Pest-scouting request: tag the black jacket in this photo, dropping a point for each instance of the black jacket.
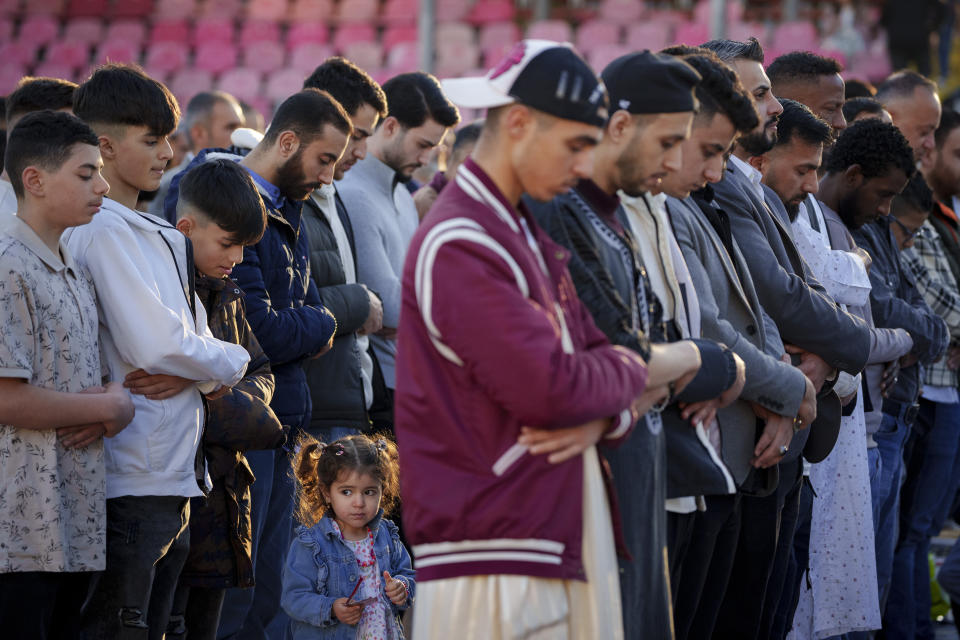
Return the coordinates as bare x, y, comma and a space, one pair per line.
335, 383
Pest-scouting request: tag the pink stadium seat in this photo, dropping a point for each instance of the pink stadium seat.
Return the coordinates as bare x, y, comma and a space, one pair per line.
9, 7
284, 84
308, 56
498, 35
399, 13
131, 8
6, 29
395, 35
10, 75
351, 33
649, 35
170, 31
302, 32
258, 31
622, 11
596, 32
454, 58
603, 55
38, 30
47, 7
86, 8
168, 57
403, 58
742, 31
215, 57
273, 10
366, 55
118, 51
68, 53
558, 30
208, 30
175, 9
189, 83
454, 32
54, 70
89, 30
130, 30
263, 57
487, 11
799, 35
241, 83
16, 54
452, 10
692, 33
311, 11
221, 9
356, 11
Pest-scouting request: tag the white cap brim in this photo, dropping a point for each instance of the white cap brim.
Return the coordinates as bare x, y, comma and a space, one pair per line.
475, 93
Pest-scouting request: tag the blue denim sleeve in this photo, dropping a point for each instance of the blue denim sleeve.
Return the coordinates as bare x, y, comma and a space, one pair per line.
305, 596
401, 567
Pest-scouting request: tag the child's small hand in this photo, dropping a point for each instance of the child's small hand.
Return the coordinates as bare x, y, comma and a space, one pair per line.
394, 589
347, 613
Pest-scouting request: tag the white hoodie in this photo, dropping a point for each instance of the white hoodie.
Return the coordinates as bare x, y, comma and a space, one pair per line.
139, 269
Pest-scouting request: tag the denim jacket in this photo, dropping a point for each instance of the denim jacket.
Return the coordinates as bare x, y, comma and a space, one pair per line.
321, 568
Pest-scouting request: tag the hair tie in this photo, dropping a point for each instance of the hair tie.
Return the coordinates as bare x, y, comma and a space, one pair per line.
381, 445
340, 450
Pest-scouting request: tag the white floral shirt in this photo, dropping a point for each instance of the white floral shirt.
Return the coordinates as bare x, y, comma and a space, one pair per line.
52, 499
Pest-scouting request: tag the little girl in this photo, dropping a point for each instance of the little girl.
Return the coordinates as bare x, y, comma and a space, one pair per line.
347, 575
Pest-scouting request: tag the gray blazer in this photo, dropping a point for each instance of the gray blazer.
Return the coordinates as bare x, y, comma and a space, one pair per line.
803, 312
730, 313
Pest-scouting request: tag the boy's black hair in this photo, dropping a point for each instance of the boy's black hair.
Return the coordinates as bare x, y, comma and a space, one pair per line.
43, 139
858, 89
223, 191
949, 120
122, 94
874, 145
349, 85
684, 50
917, 195
37, 94
414, 97
801, 65
730, 50
798, 121
467, 134
855, 106
720, 91
903, 84
306, 113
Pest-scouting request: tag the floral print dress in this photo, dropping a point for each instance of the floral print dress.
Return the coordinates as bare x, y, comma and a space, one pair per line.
373, 621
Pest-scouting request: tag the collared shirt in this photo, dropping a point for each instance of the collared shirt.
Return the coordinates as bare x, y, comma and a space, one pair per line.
52, 499
8, 199
754, 176
274, 198
927, 262
842, 273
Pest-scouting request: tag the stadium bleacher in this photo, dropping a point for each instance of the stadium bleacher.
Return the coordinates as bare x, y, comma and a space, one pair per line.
258, 48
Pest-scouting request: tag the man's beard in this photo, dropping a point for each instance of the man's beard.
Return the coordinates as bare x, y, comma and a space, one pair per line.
847, 211
793, 209
758, 143
291, 181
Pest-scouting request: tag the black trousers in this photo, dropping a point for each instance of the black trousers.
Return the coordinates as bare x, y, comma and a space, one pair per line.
42, 605
705, 568
679, 537
760, 565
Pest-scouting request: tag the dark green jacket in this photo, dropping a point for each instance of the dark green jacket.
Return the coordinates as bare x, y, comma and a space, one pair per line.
241, 420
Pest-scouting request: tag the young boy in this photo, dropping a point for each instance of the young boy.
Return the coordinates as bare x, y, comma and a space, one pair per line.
53, 414
150, 323
220, 532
